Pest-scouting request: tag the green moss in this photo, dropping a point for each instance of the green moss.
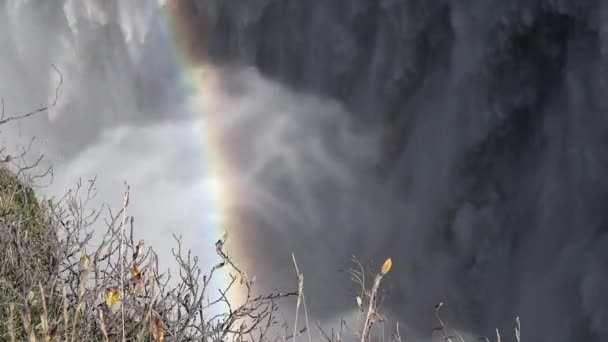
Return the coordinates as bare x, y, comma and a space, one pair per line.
21, 214
18, 200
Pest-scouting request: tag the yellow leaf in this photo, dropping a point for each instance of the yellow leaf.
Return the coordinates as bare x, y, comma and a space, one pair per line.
386, 266
359, 301
112, 297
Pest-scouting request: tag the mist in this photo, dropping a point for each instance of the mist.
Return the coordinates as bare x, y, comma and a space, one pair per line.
465, 143
299, 160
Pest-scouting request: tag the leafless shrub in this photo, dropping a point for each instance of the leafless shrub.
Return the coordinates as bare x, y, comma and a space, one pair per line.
67, 288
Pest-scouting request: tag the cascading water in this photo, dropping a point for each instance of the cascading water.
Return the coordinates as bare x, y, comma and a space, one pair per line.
467, 142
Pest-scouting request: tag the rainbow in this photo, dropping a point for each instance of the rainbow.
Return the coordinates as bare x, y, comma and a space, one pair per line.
204, 105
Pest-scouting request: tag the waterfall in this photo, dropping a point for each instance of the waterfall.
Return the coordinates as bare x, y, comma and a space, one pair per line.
464, 139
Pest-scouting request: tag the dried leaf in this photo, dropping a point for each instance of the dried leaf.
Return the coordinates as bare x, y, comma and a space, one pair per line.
112, 297
386, 267
139, 284
156, 327
100, 312
139, 287
139, 250
219, 245
135, 271
84, 260
359, 301
102, 324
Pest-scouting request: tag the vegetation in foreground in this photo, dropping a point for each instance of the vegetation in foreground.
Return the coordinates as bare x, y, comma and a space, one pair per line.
57, 284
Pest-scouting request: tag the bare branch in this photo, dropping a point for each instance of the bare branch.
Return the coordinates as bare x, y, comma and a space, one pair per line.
4, 120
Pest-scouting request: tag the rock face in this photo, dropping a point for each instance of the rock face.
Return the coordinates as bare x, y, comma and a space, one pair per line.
496, 136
